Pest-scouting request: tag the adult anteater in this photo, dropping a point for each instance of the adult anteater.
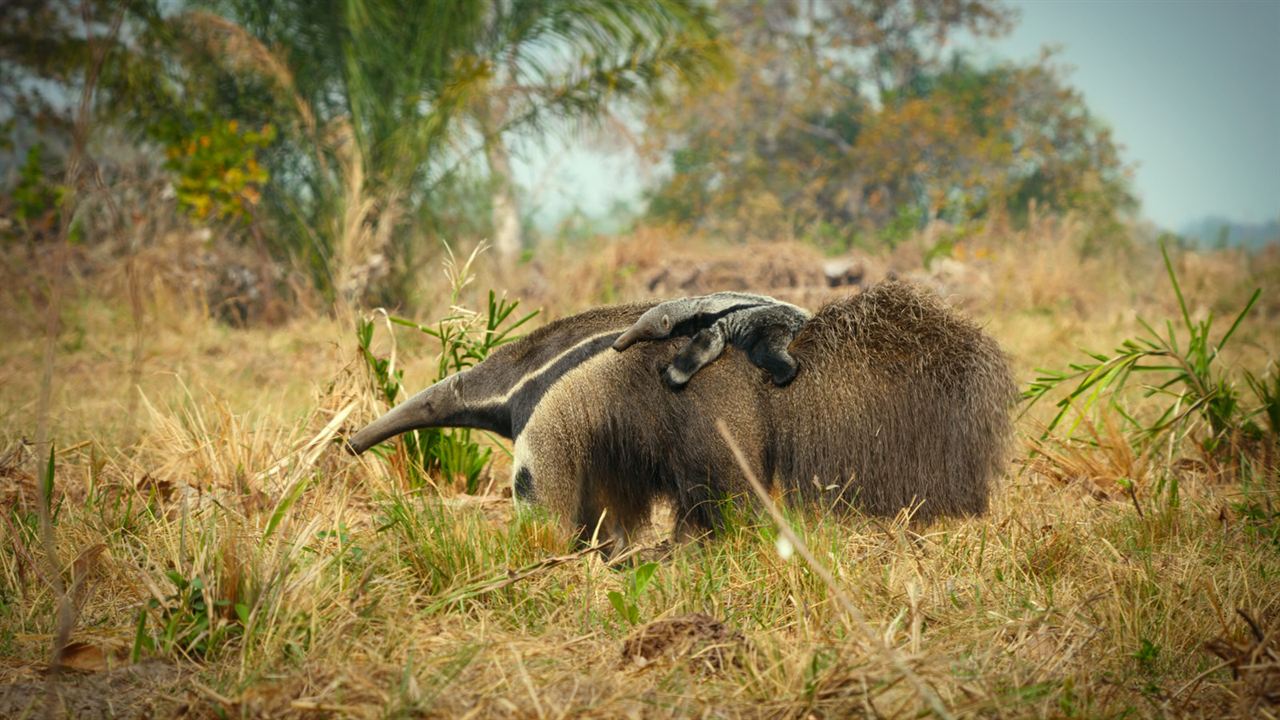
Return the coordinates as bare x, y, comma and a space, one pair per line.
902, 404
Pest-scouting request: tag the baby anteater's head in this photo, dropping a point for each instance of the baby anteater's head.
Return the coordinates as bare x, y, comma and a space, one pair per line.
655, 324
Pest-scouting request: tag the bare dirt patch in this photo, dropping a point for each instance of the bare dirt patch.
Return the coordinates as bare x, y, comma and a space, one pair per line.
145, 690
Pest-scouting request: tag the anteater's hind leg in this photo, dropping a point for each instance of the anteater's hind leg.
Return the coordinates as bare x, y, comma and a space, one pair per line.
702, 349
611, 520
770, 353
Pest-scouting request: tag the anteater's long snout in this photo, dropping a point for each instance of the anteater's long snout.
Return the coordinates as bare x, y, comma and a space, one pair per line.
627, 339
430, 408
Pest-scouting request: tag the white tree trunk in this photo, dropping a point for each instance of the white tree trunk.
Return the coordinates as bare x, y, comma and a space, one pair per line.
507, 240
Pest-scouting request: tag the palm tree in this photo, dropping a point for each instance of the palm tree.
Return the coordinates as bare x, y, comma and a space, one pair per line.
388, 98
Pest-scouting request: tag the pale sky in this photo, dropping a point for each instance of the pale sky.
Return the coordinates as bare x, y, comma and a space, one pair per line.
1191, 89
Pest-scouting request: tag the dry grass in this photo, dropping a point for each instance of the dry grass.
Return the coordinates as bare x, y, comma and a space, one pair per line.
326, 588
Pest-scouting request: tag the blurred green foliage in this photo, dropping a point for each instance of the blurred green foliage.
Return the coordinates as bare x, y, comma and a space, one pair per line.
36, 198
216, 170
348, 136
381, 110
852, 115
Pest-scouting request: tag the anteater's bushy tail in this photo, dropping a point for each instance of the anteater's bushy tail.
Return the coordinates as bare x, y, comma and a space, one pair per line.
900, 402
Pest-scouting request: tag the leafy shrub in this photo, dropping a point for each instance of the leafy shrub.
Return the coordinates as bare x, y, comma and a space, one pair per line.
218, 175
36, 199
1195, 397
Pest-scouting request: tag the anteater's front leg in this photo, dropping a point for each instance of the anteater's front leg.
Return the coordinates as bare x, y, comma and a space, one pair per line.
700, 350
770, 352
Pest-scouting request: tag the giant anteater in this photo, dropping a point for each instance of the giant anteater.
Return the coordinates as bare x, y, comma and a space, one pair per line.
903, 404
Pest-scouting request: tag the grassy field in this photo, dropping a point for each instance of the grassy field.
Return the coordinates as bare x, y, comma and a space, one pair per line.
220, 559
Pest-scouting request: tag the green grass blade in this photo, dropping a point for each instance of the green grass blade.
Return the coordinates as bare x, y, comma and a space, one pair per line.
1177, 289
1239, 318
282, 507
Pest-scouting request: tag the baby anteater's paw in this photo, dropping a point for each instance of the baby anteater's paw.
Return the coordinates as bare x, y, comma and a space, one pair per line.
784, 375
675, 379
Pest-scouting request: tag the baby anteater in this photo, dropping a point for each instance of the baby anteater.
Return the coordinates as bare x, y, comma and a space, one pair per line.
760, 326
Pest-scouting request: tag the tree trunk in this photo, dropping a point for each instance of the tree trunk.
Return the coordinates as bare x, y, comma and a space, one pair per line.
506, 209
507, 240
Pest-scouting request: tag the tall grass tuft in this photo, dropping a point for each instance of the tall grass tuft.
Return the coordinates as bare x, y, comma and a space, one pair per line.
1193, 396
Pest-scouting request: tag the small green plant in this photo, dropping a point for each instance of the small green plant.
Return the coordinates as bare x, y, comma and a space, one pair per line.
46, 485
626, 602
1266, 390
465, 338
24, 521
347, 550
1195, 397
1147, 655
191, 621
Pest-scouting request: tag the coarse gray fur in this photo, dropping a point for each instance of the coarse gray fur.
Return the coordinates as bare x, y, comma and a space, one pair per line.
684, 316
763, 332
902, 404
758, 325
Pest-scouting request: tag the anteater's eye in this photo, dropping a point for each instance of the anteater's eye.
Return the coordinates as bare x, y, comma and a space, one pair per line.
666, 322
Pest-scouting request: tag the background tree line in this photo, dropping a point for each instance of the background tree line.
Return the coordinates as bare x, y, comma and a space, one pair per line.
848, 120
346, 137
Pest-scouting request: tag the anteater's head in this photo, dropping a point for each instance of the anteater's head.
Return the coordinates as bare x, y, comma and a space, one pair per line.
656, 324
500, 392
